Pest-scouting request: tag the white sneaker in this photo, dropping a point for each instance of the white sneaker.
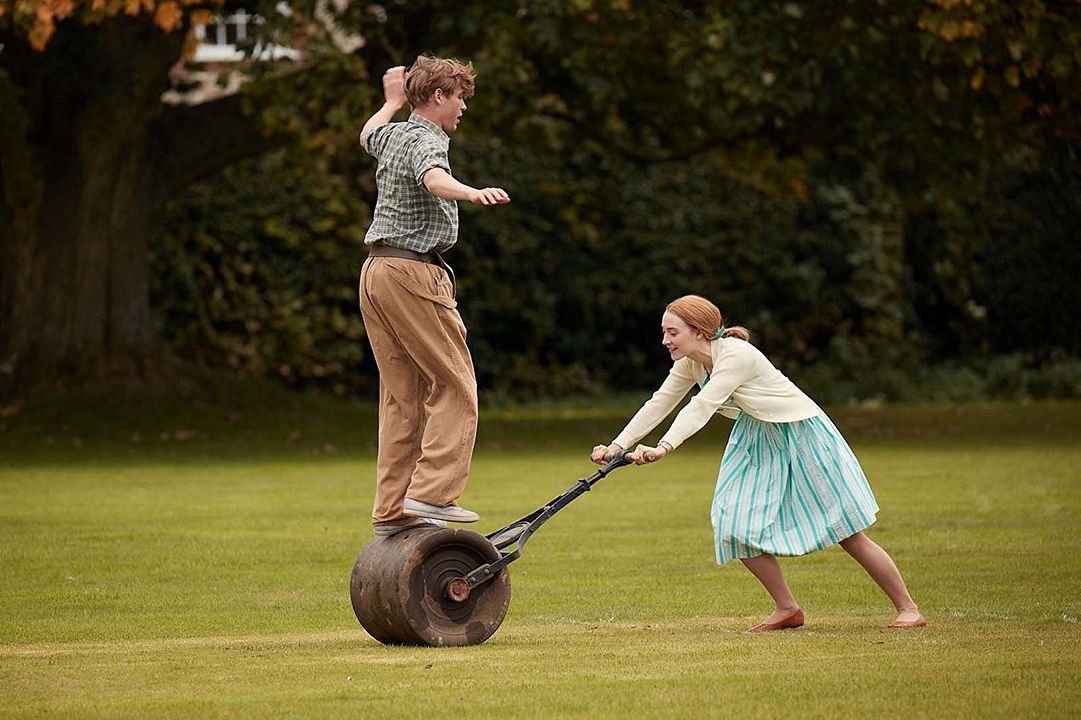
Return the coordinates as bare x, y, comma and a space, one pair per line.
450, 513
393, 528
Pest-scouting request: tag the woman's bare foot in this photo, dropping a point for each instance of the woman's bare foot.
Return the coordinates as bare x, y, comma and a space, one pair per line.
909, 619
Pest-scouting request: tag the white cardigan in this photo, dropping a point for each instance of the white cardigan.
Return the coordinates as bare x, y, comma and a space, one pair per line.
740, 372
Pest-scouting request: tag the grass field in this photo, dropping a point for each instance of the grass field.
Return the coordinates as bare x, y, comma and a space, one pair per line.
170, 558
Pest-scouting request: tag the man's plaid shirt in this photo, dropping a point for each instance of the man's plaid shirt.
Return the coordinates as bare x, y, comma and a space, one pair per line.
407, 215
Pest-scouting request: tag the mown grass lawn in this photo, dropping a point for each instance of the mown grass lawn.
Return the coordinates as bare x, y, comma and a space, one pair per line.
169, 558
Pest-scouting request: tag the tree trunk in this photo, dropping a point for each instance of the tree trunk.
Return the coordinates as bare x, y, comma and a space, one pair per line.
89, 154
79, 199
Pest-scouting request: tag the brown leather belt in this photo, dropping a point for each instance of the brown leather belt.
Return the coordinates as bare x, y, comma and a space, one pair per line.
379, 249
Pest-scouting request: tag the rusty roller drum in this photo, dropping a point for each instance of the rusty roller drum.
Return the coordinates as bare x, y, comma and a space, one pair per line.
403, 588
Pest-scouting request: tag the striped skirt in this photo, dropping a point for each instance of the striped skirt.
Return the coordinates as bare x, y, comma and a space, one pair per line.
787, 489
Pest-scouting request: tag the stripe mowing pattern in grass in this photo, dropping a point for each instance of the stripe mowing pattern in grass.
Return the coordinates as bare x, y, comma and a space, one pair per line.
192, 560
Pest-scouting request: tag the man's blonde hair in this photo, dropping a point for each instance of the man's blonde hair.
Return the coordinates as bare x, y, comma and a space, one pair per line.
430, 73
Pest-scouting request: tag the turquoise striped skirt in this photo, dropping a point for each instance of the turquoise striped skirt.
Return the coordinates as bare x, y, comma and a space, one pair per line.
787, 489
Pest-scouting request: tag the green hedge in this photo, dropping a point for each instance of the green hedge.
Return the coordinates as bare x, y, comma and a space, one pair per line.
257, 271
563, 289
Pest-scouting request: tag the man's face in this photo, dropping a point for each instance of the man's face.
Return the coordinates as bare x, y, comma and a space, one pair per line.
449, 109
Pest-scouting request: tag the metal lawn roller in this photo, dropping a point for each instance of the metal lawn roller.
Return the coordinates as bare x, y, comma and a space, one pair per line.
445, 586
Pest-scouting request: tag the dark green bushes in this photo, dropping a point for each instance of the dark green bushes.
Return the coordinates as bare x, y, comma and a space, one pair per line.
257, 270
562, 290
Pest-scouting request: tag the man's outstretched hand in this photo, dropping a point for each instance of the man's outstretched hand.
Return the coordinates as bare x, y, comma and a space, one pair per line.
490, 196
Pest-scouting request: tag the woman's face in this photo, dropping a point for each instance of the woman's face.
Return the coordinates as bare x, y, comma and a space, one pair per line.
678, 337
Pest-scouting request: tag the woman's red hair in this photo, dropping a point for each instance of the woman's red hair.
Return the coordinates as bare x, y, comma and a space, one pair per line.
704, 317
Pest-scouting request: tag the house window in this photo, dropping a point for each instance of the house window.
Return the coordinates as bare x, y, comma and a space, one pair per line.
219, 38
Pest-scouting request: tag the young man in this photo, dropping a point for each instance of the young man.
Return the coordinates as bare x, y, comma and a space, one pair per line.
427, 387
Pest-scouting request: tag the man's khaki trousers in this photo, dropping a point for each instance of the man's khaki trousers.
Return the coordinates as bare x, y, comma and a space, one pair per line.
427, 386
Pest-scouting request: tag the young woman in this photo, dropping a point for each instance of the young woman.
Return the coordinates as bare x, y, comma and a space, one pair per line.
788, 484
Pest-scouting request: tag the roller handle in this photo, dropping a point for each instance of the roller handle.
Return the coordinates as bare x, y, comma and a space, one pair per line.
618, 460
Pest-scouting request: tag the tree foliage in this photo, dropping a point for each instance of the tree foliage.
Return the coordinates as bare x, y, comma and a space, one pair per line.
261, 277
36, 20
870, 186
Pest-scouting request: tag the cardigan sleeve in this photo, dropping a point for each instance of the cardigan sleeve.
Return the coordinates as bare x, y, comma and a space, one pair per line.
675, 386
731, 371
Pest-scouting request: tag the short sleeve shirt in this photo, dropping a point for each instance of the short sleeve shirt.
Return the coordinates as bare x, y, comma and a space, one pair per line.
407, 215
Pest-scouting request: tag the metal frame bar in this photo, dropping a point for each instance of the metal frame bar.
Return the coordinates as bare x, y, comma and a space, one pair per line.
537, 518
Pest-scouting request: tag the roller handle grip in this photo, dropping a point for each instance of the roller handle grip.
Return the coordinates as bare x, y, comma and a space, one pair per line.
618, 460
